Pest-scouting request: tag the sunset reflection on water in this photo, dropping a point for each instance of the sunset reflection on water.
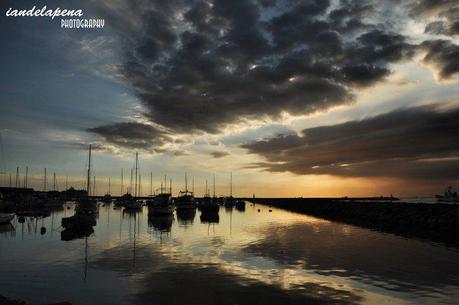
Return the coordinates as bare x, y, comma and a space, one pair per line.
239, 258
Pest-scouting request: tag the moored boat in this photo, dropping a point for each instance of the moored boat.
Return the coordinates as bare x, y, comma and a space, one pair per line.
209, 205
161, 204
185, 199
85, 212
449, 196
240, 205
131, 203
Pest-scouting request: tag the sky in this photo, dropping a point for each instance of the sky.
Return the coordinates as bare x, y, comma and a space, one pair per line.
294, 98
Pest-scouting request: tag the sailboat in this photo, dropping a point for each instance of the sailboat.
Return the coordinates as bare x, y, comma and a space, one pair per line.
230, 201
87, 205
84, 219
161, 204
185, 199
209, 205
107, 197
131, 203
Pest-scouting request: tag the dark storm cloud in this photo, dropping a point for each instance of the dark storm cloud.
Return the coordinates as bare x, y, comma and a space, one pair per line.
219, 154
432, 6
132, 135
198, 66
446, 10
444, 55
392, 145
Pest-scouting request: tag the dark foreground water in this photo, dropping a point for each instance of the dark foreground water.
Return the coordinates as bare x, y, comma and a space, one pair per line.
247, 257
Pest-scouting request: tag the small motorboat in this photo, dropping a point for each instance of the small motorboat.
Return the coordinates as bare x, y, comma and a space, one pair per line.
6, 218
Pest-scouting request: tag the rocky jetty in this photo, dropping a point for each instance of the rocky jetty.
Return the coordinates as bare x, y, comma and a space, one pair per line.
438, 222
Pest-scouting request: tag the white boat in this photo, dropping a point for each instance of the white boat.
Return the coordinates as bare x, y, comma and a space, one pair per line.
6, 218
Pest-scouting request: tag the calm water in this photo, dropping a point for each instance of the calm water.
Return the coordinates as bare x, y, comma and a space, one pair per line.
247, 257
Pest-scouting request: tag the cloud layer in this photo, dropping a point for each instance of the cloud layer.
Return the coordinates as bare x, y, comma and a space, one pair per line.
198, 66
420, 142
201, 66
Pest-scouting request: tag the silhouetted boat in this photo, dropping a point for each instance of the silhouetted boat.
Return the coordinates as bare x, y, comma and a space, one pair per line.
240, 205
449, 196
131, 203
209, 205
230, 201
108, 197
87, 205
161, 204
185, 199
85, 213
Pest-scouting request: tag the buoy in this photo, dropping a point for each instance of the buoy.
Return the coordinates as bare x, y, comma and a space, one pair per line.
43, 230
258, 210
270, 210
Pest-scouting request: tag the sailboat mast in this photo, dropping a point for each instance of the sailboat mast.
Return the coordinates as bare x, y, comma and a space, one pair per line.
17, 176
231, 184
170, 186
186, 183
136, 169
54, 181
130, 186
26, 182
88, 182
44, 183
140, 185
67, 182
151, 183
122, 178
